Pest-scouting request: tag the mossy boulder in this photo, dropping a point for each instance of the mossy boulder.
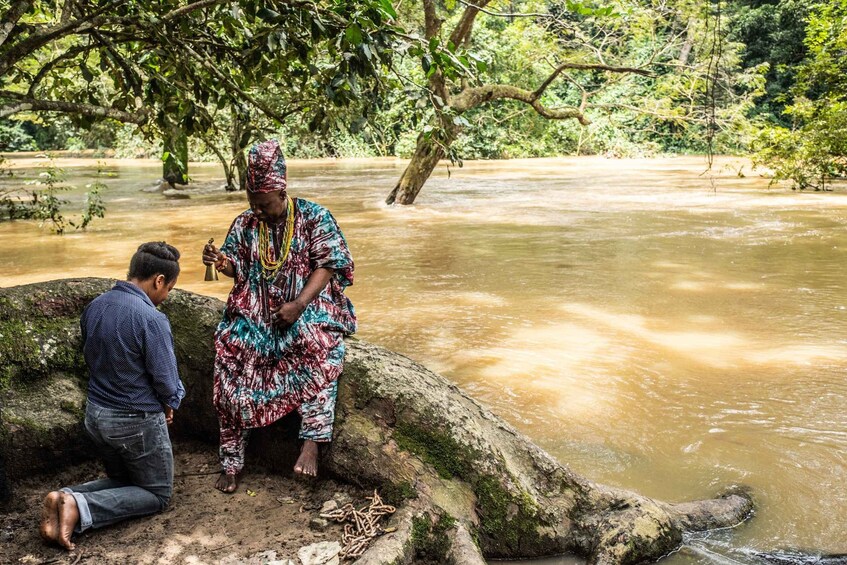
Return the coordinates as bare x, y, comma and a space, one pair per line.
466, 483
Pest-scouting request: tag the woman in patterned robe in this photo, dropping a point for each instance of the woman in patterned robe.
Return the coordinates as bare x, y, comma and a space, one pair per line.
280, 344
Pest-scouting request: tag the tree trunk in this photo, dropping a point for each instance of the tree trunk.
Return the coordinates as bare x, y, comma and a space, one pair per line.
175, 158
425, 159
467, 485
239, 139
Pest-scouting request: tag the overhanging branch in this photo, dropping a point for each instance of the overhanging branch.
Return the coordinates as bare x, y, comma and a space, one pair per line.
11, 17
586, 67
463, 29
477, 96
189, 8
50, 65
38, 40
25, 104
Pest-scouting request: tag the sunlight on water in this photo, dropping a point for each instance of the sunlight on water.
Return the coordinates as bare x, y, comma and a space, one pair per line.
643, 328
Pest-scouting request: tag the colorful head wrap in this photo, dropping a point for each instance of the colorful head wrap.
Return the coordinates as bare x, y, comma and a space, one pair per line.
266, 170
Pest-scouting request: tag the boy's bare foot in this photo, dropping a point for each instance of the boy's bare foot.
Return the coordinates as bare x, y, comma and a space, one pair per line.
50, 517
68, 518
227, 483
307, 463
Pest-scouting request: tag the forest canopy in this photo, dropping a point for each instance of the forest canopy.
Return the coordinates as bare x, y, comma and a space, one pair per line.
429, 79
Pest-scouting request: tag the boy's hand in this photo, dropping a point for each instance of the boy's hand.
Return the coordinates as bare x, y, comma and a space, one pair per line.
169, 415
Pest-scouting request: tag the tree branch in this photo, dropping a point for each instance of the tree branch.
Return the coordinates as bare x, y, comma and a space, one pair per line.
473, 97
38, 40
50, 65
463, 29
480, 7
11, 17
131, 75
586, 67
228, 84
25, 104
189, 8
432, 23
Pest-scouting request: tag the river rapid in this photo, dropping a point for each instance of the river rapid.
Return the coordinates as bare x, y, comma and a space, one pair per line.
653, 326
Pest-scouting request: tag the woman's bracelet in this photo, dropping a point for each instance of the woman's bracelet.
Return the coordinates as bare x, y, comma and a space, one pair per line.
221, 265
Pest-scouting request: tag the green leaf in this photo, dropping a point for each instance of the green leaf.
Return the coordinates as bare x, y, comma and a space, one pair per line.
268, 15
388, 8
461, 121
86, 73
353, 34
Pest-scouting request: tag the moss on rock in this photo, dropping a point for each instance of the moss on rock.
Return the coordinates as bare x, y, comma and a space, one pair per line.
437, 448
430, 539
510, 520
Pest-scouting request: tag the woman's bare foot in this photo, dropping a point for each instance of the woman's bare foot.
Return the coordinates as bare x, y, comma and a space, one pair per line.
50, 517
227, 483
68, 518
307, 463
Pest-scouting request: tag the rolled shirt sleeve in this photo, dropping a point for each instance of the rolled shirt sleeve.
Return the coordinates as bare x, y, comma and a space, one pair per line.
160, 361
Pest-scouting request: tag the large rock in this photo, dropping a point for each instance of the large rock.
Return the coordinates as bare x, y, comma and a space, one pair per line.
466, 483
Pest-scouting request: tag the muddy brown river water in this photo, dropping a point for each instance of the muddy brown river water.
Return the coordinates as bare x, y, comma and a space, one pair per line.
648, 329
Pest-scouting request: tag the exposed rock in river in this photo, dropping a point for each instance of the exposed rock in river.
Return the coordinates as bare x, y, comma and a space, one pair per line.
466, 483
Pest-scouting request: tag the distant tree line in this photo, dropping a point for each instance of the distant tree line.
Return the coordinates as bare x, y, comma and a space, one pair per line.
432, 79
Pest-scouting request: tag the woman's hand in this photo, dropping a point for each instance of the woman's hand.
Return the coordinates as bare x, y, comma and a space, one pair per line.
287, 314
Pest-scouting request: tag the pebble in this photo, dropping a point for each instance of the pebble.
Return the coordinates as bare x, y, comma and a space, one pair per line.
322, 553
329, 506
342, 498
318, 524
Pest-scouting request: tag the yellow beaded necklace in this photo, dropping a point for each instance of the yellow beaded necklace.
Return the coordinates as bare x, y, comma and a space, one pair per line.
266, 250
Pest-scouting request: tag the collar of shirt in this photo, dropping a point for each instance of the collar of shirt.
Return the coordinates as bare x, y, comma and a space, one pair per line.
127, 286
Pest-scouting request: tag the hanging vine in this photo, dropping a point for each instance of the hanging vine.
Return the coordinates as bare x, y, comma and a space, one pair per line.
712, 77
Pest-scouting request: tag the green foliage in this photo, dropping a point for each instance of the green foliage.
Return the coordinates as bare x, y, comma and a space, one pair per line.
14, 138
814, 154
175, 71
43, 202
813, 151
357, 78
772, 32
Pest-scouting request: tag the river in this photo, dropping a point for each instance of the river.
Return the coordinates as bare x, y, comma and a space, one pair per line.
652, 327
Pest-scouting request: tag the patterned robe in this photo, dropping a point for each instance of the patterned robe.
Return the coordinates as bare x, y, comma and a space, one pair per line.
263, 372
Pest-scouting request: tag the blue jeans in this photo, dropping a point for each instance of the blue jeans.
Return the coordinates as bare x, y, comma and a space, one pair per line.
136, 449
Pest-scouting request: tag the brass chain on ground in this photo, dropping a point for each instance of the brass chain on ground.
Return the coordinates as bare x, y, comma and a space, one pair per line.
364, 525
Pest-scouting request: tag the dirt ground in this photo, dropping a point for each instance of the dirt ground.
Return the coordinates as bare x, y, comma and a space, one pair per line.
202, 525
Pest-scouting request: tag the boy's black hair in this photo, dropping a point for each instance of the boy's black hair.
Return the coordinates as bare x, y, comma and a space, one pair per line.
154, 258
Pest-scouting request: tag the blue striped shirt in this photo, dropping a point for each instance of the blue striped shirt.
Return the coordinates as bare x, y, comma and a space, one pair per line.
129, 349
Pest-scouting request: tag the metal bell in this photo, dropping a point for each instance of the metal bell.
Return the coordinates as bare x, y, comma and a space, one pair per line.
211, 271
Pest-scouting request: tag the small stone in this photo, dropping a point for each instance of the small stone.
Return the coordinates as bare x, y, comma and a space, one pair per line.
6, 536
318, 524
342, 498
322, 553
329, 506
